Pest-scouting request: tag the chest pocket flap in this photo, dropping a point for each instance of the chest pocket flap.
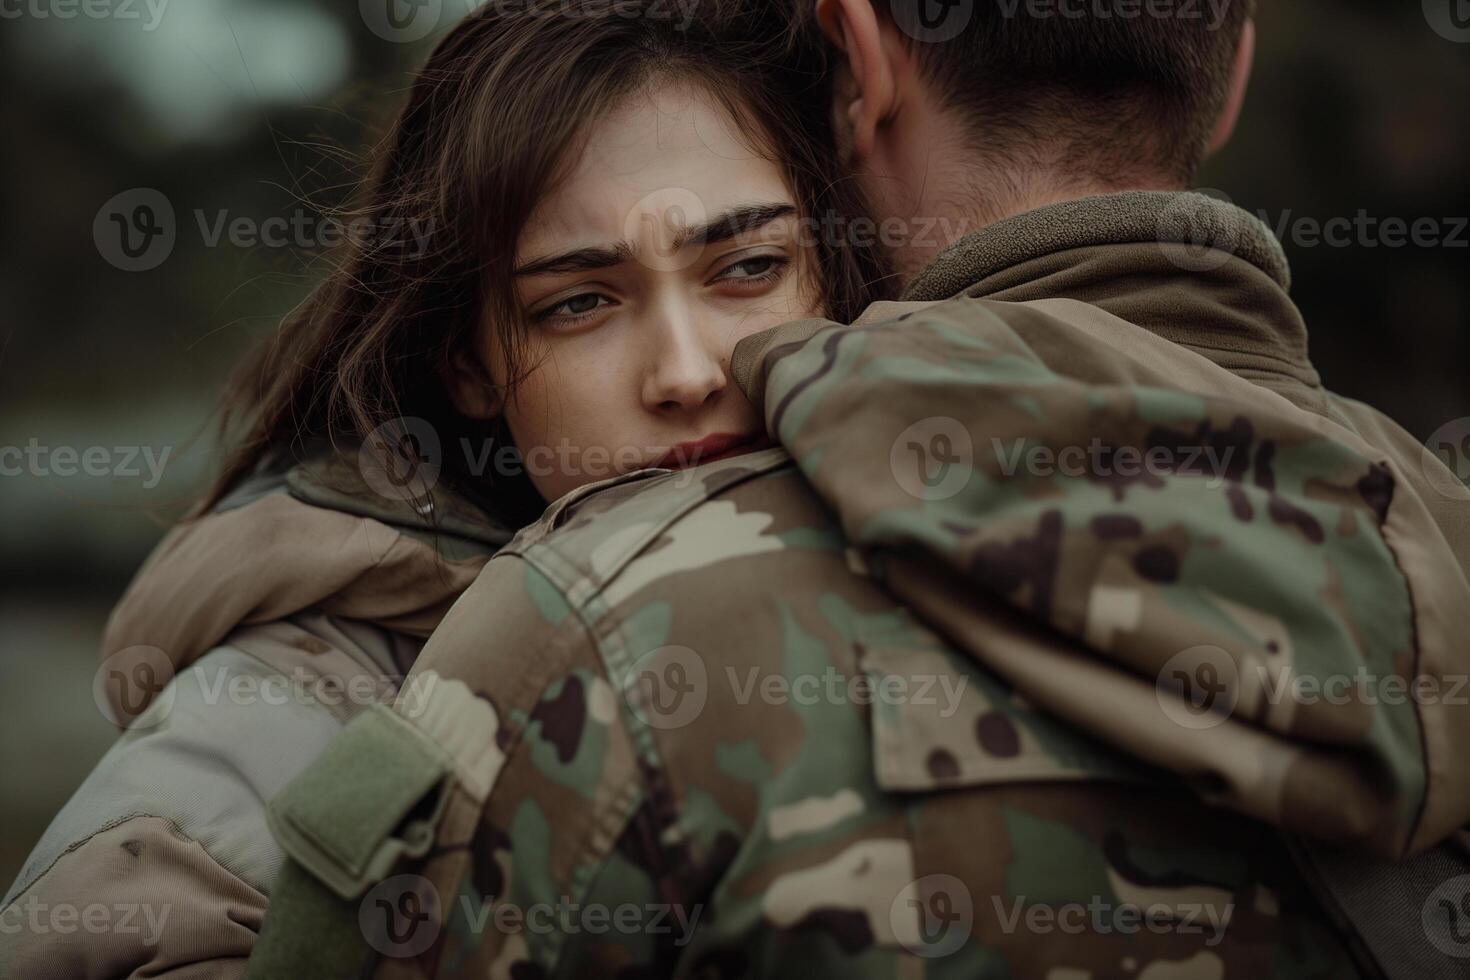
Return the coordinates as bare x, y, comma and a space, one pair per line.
941, 720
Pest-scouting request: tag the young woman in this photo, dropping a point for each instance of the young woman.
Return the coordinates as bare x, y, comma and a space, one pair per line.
575, 217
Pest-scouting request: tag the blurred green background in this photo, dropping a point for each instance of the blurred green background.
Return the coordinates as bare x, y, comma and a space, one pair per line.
259, 109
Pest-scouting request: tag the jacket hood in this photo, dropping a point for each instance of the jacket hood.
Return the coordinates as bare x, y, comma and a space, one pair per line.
294, 536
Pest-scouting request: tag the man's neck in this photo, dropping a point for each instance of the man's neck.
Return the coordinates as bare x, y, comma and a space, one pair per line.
956, 201
970, 213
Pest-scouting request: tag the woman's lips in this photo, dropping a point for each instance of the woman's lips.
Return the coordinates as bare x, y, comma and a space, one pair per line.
712, 447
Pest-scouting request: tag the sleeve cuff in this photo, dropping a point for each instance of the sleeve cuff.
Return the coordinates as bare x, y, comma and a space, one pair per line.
747, 362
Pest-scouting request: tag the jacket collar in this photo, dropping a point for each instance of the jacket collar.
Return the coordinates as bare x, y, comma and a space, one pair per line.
450, 523
1195, 270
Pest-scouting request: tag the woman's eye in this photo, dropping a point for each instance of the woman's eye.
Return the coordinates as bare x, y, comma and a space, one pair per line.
579, 305
755, 267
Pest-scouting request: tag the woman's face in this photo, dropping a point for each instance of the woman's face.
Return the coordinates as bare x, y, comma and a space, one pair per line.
669, 241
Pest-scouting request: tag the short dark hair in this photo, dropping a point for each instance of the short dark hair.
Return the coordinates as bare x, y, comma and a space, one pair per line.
1108, 84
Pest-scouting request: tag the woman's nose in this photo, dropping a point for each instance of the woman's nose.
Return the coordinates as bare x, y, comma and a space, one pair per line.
687, 367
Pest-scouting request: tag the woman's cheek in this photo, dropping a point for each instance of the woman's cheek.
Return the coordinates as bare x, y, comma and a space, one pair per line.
783, 306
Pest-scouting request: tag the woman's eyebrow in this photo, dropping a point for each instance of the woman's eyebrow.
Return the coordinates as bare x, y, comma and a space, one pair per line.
735, 221
722, 227
579, 260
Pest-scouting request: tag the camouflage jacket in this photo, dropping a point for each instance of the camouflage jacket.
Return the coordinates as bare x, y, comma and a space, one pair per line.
1016, 659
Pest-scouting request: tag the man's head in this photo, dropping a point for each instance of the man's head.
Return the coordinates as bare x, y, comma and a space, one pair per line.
978, 109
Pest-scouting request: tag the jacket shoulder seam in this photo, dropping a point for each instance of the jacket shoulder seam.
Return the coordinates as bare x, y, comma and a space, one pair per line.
113, 824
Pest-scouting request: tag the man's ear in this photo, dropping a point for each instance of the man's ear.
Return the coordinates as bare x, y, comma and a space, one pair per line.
852, 27
470, 388
1240, 76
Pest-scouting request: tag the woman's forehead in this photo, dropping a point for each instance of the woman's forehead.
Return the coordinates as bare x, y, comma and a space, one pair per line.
667, 152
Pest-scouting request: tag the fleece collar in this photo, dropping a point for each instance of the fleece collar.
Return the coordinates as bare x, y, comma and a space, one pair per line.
1200, 272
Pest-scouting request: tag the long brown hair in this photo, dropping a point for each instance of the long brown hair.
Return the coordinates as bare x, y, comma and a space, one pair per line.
499, 103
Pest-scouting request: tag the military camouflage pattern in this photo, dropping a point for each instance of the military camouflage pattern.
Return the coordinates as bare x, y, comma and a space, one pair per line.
1174, 573
822, 714
948, 685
